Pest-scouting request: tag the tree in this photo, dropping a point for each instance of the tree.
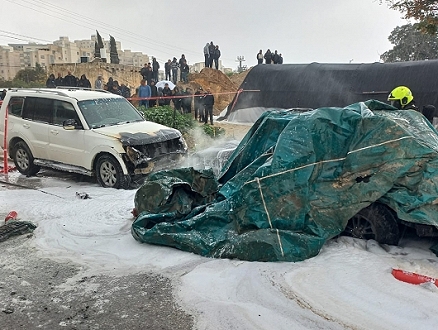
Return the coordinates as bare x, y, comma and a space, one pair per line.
31, 75
114, 56
98, 45
424, 11
99, 40
410, 44
96, 50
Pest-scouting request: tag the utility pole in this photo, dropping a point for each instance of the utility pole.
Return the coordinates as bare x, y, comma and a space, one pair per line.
240, 59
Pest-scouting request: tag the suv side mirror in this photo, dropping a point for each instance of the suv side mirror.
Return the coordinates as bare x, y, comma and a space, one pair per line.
69, 124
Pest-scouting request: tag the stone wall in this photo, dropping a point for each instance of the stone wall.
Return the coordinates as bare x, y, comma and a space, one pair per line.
124, 74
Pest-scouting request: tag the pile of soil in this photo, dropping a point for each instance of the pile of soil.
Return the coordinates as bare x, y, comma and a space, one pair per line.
223, 87
220, 85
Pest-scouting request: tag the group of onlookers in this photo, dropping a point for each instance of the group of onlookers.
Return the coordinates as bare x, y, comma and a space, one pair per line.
269, 57
150, 70
203, 102
71, 81
211, 54
112, 86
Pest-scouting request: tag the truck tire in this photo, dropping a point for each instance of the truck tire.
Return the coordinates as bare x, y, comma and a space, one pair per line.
23, 159
376, 221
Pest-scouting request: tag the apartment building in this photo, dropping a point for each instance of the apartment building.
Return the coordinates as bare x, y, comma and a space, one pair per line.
9, 62
15, 57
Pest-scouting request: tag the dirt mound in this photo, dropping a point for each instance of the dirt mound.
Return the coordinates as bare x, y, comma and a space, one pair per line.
220, 85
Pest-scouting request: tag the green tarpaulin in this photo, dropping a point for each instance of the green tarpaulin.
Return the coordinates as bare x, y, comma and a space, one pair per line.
294, 182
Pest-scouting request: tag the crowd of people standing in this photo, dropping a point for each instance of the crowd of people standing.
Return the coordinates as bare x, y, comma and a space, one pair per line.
70, 80
269, 57
211, 54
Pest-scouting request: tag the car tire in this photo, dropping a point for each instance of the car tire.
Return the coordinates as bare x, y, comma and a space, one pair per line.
23, 159
376, 221
109, 173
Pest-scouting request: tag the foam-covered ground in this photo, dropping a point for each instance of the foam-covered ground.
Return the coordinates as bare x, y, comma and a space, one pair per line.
348, 285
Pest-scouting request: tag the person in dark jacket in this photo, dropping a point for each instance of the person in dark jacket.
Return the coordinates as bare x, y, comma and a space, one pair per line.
177, 99
125, 91
187, 101
211, 49
70, 80
208, 106
149, 74
167, 92
216, 56
155, 68
154, 94
59, 81
181, 61
184, 71
280, 59
84, 82
260, 57
116, 88
198, 102
109, 84
144, 71
160, 95
268, 57
50, 82
275, 57
167, 69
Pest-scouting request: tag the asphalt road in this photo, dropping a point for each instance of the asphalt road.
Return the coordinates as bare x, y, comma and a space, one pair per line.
39, 293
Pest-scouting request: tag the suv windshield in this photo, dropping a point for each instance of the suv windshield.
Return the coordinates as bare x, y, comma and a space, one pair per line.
108, 111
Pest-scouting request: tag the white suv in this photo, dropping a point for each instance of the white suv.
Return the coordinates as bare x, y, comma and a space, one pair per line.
86, 132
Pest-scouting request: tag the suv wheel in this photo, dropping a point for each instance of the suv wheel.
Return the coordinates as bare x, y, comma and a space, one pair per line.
23, 159
376, 222
109, 173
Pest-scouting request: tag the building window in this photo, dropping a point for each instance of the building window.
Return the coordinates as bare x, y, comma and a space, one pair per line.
42, 57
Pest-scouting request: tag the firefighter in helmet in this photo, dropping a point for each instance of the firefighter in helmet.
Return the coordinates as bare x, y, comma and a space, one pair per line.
401, 97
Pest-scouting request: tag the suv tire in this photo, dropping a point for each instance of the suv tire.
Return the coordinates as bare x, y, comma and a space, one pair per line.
109, 173
376, 221
23, 159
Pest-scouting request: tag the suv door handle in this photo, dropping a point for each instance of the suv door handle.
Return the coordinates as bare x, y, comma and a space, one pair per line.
26, 125
54, 132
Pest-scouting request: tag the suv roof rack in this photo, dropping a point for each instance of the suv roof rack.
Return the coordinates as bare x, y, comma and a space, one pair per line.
70, 88
39, 90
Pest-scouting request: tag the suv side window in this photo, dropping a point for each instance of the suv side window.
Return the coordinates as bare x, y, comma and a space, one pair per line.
38, 109
63, 111
15, 106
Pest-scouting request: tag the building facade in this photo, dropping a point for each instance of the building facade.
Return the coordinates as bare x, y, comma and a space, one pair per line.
16, 57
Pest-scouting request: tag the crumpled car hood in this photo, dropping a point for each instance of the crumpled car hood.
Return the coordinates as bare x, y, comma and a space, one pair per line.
139, 133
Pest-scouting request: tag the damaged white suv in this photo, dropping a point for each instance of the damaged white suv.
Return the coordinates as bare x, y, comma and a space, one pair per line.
87, 132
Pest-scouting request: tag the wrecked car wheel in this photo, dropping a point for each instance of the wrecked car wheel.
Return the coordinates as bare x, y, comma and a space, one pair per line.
23, 159
376, 222
109, 173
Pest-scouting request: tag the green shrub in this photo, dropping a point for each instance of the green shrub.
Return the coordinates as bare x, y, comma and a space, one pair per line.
167, 116
213, 131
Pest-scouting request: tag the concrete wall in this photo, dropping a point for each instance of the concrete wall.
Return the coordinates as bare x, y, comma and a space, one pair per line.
124, 74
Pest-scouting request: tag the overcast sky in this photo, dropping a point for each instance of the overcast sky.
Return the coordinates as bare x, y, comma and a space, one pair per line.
335, 31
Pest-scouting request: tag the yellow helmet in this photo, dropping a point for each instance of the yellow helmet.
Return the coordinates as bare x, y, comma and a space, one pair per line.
401, 94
